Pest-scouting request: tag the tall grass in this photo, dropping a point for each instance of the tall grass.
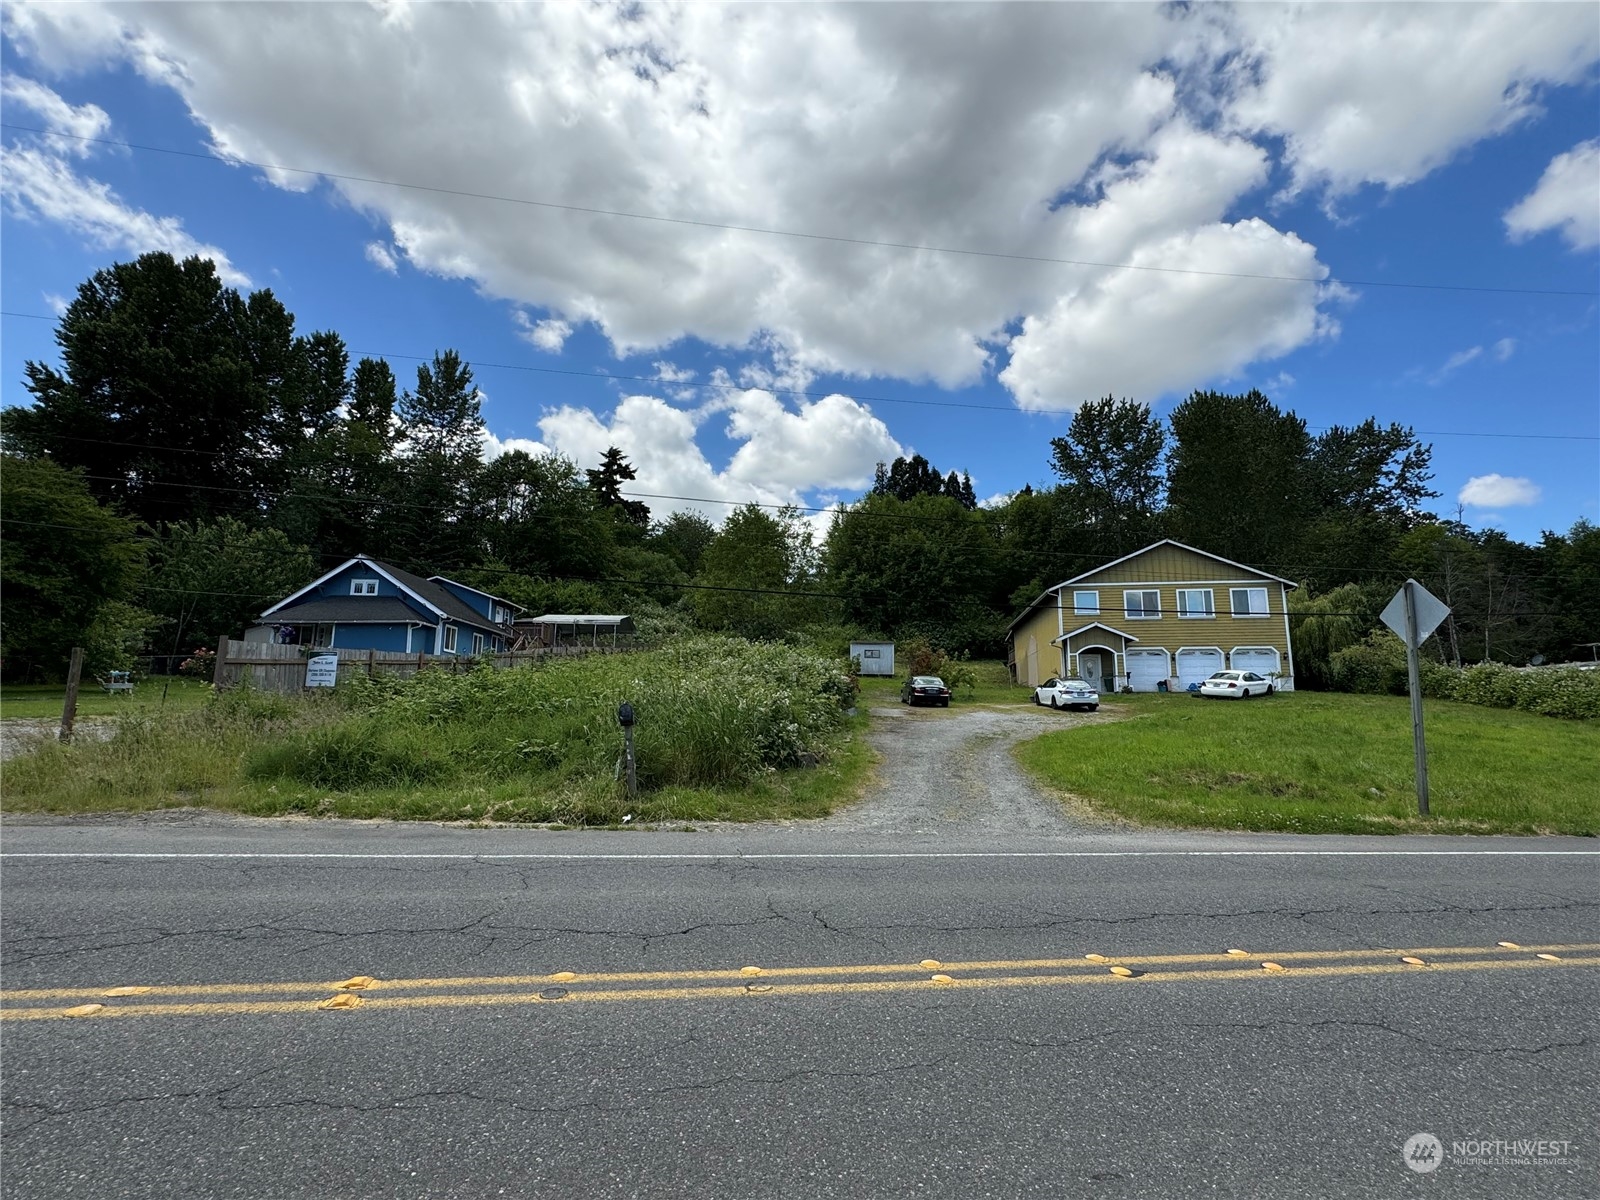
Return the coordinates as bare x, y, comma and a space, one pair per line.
537, 743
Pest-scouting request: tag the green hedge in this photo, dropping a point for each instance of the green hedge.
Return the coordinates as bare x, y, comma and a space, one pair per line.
1377, 666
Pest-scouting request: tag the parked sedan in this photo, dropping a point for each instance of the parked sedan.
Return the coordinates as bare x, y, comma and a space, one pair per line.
1236, 685
925, 689
1067, 693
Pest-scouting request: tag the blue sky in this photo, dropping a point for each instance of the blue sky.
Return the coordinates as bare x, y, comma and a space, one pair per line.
1455, 147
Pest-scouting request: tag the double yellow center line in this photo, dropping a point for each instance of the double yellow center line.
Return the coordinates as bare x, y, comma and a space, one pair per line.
261, 999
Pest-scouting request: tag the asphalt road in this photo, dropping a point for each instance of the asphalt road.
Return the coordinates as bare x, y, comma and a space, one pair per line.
473, 1067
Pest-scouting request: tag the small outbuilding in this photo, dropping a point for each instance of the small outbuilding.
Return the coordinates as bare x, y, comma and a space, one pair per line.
553, 630
873, 658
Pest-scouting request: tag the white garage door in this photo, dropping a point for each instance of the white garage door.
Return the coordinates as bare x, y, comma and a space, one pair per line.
1196, 665
1263, 660
1146, 668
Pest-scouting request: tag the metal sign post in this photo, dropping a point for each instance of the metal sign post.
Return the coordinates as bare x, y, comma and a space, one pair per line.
1413, 614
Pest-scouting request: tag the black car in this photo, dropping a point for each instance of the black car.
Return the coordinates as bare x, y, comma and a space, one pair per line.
925, 689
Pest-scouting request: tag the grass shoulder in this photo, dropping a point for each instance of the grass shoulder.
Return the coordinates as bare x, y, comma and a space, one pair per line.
1327, 763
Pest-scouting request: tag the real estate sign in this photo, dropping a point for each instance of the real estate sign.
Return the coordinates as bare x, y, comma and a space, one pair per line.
322, 671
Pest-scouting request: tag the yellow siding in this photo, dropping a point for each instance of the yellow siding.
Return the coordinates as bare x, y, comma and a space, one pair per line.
1039, 630
1163, 569
1164, 564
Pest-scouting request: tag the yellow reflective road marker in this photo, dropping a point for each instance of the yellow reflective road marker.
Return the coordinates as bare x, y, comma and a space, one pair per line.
1272, 966
1122, 972
1097, 958
342, 1000
1413, 960
930, 964
564, 976
1238, 954
942, 979
749, 972
83, 1010
1549, 957
758, 987
1508, 945
356, 983
127, 991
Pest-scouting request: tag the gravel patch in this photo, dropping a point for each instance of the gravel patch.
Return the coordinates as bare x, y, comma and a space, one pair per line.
952, 774
19, 735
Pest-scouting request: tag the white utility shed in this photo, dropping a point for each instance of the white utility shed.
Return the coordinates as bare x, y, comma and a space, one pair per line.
876, 658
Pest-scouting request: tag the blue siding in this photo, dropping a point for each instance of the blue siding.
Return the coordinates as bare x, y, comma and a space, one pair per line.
478, 602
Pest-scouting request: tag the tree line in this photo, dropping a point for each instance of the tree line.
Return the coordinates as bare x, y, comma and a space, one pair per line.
194, 458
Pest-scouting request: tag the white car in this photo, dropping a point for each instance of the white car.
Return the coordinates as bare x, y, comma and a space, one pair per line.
1236, 685
1067, 693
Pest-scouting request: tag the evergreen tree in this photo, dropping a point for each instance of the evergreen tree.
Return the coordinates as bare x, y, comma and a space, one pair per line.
606, 481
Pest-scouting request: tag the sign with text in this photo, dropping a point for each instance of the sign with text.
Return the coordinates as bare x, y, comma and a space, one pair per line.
322, 671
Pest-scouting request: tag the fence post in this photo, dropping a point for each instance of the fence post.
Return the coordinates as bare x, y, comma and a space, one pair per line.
222, 662
69, 709
371, 656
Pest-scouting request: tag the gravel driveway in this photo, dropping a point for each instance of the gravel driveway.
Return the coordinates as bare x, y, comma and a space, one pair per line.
951, 773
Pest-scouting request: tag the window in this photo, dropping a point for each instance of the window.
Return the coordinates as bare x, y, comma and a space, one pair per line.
1086, 604
1142, 606
871, 654
363, 587
477, 643
1249, 602
449, 639
1195, 602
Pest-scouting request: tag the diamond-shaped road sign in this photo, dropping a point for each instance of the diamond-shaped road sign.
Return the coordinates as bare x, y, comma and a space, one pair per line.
1430, 611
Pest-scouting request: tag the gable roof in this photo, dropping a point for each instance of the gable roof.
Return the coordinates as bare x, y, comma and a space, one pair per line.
1034, 604
435, 598
467, 587
1170, 542
1092, 625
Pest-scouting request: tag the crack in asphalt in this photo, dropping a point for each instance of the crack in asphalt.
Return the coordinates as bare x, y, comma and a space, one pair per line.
1266, 1026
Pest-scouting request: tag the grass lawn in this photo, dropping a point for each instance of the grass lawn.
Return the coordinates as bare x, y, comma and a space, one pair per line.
993, 686
1310, 762
158, 692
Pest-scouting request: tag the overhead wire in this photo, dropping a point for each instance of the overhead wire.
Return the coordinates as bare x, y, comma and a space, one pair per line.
765, 231
812, 394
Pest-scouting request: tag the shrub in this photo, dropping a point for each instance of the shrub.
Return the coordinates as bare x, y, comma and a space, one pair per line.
1378, 666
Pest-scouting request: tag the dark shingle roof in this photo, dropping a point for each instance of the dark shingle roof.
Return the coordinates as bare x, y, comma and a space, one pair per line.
350, 609
441, 598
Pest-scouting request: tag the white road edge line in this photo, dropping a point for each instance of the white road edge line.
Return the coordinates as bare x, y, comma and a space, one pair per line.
292, 855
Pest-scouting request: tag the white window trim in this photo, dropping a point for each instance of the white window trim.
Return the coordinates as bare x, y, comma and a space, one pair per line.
1078, 610
449, 639
477, 644
1128, 614
1211, 604
1266, 599
363, 587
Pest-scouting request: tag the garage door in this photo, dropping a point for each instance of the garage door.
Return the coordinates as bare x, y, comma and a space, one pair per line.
1197, 665
1146, 668
1263, 660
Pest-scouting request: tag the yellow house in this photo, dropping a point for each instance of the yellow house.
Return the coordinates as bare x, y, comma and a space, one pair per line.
1166, 614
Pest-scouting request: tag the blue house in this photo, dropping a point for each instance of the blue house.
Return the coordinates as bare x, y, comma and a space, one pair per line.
368, 605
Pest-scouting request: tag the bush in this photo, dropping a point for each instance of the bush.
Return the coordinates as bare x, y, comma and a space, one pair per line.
1377, 666
709, 711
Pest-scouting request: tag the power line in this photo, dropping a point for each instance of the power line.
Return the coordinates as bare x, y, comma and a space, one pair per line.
690, 222
857, 397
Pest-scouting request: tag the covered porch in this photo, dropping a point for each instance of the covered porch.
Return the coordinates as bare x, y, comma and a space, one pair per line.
1098, 654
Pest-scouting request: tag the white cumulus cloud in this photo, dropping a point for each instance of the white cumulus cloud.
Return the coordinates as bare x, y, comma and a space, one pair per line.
548, 335
77, 122
380, 256
1567, 199
1109, 134
39, 185
1499, 491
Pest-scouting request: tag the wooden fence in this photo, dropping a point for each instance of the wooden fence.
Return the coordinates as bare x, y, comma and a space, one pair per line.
269, 667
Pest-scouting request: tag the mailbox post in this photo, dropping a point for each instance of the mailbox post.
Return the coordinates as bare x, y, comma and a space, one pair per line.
625, 719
